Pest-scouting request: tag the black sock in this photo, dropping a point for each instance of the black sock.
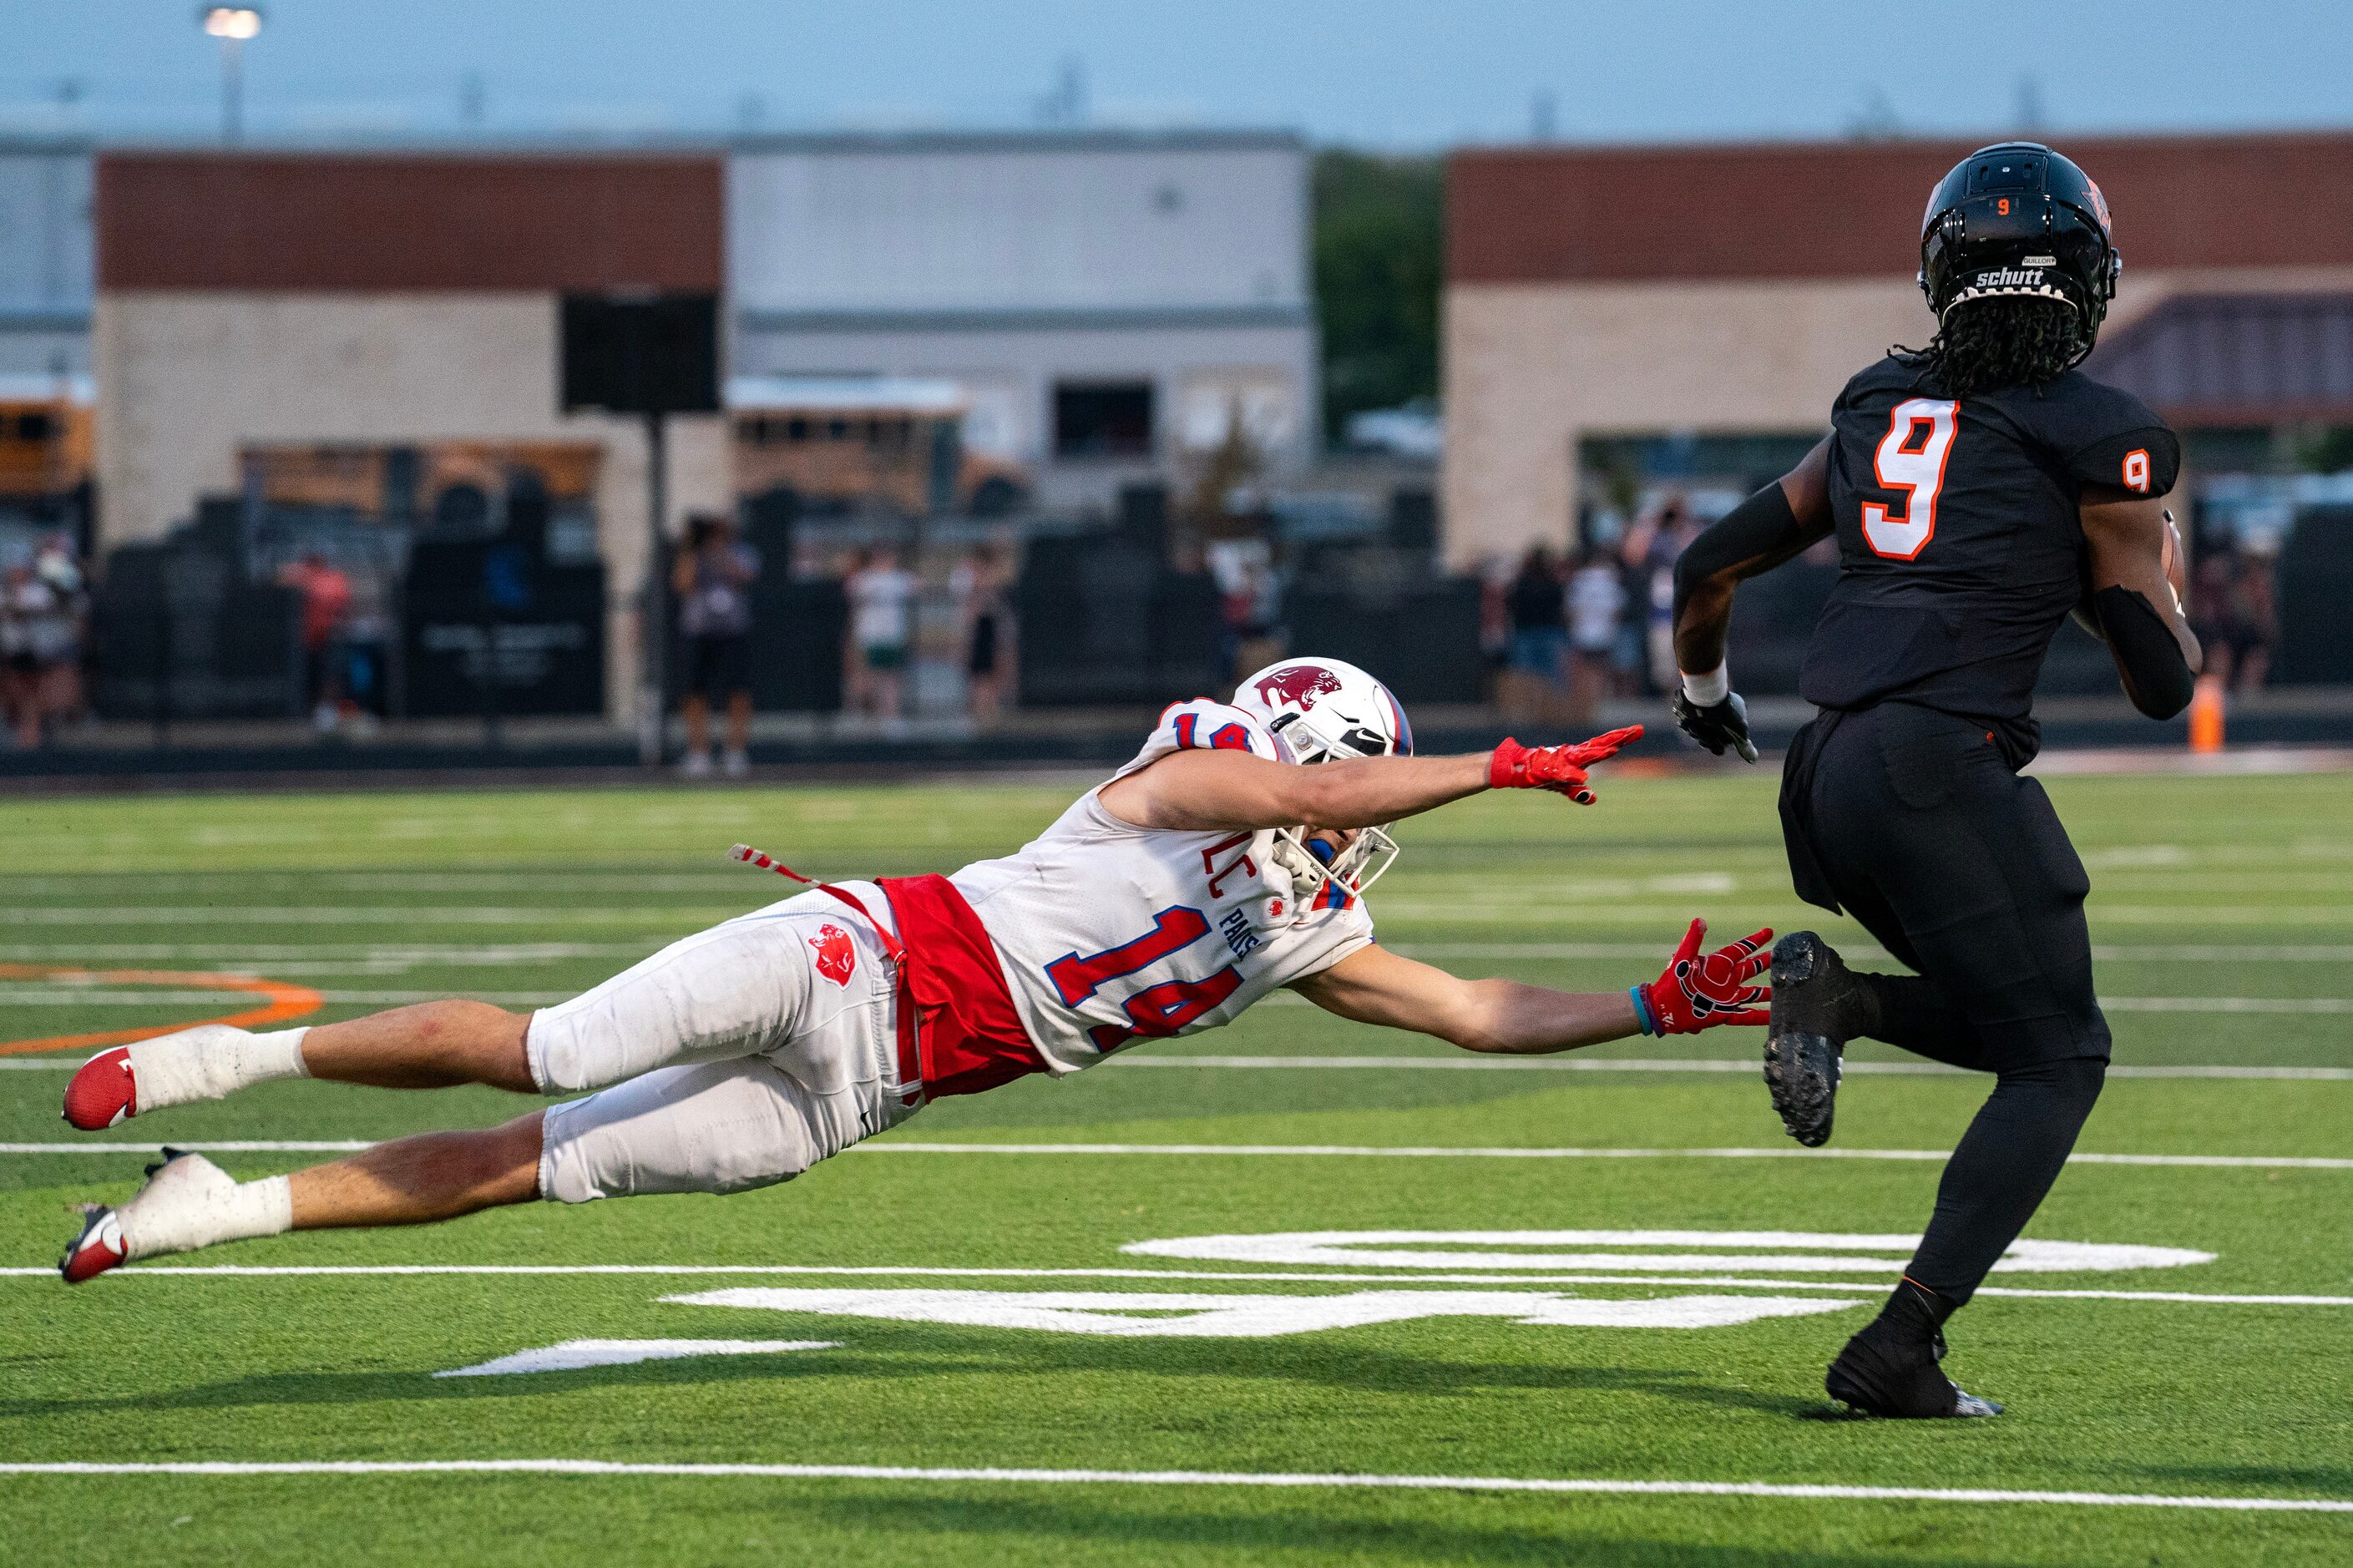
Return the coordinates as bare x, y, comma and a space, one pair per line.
1915, 1312
1999, 1172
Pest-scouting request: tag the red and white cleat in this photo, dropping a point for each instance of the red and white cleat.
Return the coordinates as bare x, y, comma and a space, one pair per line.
98, 1249
102, 1093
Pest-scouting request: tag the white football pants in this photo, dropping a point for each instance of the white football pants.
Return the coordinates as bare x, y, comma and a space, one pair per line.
738, 1057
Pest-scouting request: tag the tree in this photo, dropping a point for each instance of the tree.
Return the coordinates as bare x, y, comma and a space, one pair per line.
1379, 264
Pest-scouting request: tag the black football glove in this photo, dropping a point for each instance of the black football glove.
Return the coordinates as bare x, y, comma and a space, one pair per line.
1723, 724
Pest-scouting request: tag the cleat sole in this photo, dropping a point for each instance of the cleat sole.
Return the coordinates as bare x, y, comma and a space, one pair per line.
1802, 1073
1802, 1063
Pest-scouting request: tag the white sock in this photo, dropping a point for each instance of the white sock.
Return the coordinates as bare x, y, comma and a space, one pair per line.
212, 1062
193, 1203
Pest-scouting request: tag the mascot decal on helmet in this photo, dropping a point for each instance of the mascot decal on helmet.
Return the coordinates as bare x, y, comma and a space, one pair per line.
1300, 684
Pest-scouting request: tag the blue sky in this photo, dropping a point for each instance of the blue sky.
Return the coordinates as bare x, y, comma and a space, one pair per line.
1386, 73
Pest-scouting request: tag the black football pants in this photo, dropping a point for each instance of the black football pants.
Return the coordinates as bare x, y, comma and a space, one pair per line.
1915, 822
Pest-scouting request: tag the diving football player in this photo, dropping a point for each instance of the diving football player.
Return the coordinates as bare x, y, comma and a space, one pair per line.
1231, 857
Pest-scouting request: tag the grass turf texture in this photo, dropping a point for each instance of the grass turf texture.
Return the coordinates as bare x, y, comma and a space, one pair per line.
2204, 889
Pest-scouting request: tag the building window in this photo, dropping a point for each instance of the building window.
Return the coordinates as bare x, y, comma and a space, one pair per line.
1103, 420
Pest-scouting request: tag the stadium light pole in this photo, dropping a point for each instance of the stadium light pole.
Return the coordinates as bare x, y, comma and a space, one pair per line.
233, 26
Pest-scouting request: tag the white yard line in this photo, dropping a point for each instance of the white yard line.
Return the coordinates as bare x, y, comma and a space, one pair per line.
2288, 1004
1336, 1276
1493, 911
51, 994
73, 996
1311, 1151
1475, 1063
1469, 1063
2253, 1162
212, 1146
2106, 953
368, 914
247, 953
2292, 1005
1000, 1474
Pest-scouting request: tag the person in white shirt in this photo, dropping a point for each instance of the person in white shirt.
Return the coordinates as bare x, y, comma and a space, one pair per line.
881, 632
1597, 603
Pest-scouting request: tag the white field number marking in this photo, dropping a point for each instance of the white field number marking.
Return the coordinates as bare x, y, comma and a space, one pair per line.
1754, 1251
1147, 1315
576, 1355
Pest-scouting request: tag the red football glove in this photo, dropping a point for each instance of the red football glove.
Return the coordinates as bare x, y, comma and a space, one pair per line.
1560, 769
1701, 991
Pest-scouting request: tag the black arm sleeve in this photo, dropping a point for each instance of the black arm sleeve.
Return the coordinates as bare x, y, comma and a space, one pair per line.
1758, 533
2162, 681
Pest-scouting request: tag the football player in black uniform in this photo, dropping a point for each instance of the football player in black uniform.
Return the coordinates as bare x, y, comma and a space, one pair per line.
1981, 489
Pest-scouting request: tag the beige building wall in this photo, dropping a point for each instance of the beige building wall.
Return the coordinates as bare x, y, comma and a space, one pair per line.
188, 378
1533, 368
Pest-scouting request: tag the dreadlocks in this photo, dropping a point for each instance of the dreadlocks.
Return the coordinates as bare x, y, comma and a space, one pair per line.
1984, 344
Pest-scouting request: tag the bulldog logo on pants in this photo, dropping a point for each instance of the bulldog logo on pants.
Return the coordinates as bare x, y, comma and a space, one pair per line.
836, 958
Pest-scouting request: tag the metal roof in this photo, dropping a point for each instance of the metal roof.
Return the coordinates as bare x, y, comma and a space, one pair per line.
2238, 359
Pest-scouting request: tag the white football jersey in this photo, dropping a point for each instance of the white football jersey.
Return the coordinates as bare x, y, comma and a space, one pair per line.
1110, 932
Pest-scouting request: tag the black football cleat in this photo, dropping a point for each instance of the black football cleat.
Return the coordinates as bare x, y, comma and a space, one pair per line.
1817, 1007
1886, 1372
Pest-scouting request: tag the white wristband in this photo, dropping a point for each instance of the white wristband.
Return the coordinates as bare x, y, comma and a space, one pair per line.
1707, 691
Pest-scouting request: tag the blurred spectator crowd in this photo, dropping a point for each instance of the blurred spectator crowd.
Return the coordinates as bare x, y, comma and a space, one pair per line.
44, 625
1570, 632
1566, 632
1562, 632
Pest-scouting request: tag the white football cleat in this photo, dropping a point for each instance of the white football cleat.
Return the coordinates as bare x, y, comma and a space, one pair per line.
178, 1210
98, 1249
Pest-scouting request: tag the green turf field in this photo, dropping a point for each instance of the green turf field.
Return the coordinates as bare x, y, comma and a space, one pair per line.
998, 1324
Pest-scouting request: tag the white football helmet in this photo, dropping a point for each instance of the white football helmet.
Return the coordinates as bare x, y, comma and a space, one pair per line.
1321, 710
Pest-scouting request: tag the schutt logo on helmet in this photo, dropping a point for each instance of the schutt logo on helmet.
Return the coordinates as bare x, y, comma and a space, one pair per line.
1300, 683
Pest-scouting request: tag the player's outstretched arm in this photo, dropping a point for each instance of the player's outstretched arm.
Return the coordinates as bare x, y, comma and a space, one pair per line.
1212, 790
1698, 991
2137, 575
1760, 533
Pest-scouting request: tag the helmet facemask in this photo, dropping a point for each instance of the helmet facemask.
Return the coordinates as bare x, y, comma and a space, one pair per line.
1321, 710
1369, 854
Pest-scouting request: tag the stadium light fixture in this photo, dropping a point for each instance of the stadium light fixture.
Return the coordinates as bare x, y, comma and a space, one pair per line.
233, 26
238, 22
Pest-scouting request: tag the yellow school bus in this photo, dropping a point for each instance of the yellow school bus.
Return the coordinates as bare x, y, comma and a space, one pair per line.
45, 446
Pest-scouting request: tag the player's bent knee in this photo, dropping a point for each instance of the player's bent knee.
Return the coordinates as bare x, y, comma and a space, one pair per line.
2073, 1082
2080, 1079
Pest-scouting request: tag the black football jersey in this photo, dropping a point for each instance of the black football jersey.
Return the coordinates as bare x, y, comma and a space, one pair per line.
1960, 548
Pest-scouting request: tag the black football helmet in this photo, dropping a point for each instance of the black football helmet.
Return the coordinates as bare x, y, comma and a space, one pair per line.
2018, 220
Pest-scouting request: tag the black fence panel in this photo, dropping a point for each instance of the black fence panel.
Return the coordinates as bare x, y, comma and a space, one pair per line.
546, 623
1104, 622
179, 633
2316, 590
1423, 642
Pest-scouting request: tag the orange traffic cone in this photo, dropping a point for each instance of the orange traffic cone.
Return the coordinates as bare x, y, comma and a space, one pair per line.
2206, 706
